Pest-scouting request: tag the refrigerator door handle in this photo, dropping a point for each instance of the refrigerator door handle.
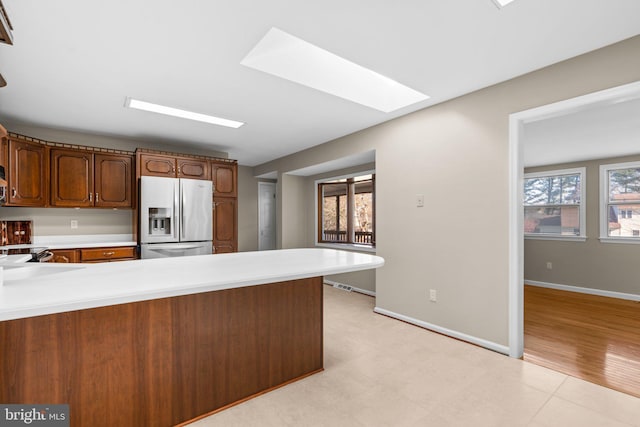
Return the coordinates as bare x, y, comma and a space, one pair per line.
182, 211
176, 209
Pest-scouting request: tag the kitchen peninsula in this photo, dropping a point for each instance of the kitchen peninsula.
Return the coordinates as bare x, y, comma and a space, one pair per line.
165, 341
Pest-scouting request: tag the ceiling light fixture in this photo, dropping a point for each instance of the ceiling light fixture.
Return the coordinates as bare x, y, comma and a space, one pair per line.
502, 3
184, 114
288, 57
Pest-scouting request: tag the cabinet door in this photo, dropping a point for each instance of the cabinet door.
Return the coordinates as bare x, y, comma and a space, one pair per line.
157, 165
27, 174
112, 173
225, 226
192, 168
224, 177
65, 256
71, 178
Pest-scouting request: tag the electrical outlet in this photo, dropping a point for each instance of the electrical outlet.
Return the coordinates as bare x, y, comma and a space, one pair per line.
433, 295
74, 223
549, 265
419, 200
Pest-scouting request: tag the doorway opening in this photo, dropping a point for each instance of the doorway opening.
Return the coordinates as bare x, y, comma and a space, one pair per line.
517, 125
266, 216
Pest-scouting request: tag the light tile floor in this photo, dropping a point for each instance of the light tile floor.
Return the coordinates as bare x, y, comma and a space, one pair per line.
383, 372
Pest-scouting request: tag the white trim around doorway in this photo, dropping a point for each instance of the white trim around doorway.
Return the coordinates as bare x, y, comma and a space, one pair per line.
516, 177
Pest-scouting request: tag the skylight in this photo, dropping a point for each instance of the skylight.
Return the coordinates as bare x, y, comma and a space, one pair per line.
502, 3
293, 59
184, 114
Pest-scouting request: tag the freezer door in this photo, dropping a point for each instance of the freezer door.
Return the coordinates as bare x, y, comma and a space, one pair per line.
166, 250
159, 214
196, 197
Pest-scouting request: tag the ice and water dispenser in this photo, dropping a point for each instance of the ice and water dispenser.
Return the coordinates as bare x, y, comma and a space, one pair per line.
160, 221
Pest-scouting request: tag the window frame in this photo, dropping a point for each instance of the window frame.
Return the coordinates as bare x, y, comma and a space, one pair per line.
318, 215
604, 203
582, 207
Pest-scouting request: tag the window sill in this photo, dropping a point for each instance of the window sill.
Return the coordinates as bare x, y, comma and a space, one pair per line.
623, 240
347, 247
557, 238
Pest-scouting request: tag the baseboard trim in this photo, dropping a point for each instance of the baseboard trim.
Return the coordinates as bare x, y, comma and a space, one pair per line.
353, 288
490, 345
581, 290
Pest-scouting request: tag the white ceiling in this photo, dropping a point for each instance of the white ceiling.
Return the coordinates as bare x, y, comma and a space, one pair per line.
75, 61
599, 131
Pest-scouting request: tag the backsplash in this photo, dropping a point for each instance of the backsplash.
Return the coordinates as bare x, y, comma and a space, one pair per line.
58, 221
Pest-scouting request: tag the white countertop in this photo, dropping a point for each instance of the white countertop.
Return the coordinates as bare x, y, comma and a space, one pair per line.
98, 285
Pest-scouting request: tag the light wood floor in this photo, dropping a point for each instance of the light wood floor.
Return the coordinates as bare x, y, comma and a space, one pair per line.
586, 336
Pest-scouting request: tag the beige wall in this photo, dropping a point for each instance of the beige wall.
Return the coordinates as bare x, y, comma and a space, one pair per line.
247, 210
449, 153
590, 264
57, 221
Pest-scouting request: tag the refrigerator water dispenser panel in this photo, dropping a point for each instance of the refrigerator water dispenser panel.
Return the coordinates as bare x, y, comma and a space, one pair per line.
159, 221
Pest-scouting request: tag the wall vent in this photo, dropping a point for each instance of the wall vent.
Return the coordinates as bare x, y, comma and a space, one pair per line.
343, 287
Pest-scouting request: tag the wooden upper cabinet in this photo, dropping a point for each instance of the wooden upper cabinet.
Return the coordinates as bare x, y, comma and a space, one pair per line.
151, 164
192, 168
224, 177
113, 180
28, 172
71, 178
83, 179
156, 165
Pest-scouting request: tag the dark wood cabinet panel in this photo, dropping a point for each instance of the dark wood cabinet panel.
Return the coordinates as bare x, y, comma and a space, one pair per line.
224, 177
113, 180
165, 361
151, 164
121, 253
192, 168
65, 255
91, 255
225, 226
71, 178
156, 165
28, 171
83, 179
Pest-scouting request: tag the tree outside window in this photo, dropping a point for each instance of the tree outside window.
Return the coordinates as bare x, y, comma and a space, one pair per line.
346, 210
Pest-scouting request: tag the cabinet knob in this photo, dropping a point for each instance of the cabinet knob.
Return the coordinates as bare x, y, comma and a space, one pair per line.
108, 253
91, 197
14, 193
97, 197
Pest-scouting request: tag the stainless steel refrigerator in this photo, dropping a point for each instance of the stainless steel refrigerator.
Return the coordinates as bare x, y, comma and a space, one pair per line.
175, 217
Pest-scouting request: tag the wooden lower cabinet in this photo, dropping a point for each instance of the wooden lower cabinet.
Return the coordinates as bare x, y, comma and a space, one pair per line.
90, 255
165, 361
65, 255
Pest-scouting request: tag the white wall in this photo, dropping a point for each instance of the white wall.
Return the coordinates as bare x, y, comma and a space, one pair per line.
456, 154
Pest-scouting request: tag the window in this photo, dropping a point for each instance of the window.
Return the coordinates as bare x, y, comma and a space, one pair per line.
346, 210
554, 204
620, 202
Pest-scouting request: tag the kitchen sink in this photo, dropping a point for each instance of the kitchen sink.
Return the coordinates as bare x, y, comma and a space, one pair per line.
15, 273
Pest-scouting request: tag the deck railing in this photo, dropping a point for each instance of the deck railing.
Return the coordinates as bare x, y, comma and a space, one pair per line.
363, 237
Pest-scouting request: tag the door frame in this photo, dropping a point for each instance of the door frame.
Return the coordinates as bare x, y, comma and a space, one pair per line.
260, 219
516, 182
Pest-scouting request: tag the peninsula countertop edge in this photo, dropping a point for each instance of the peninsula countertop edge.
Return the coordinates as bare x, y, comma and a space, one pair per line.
104, 284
